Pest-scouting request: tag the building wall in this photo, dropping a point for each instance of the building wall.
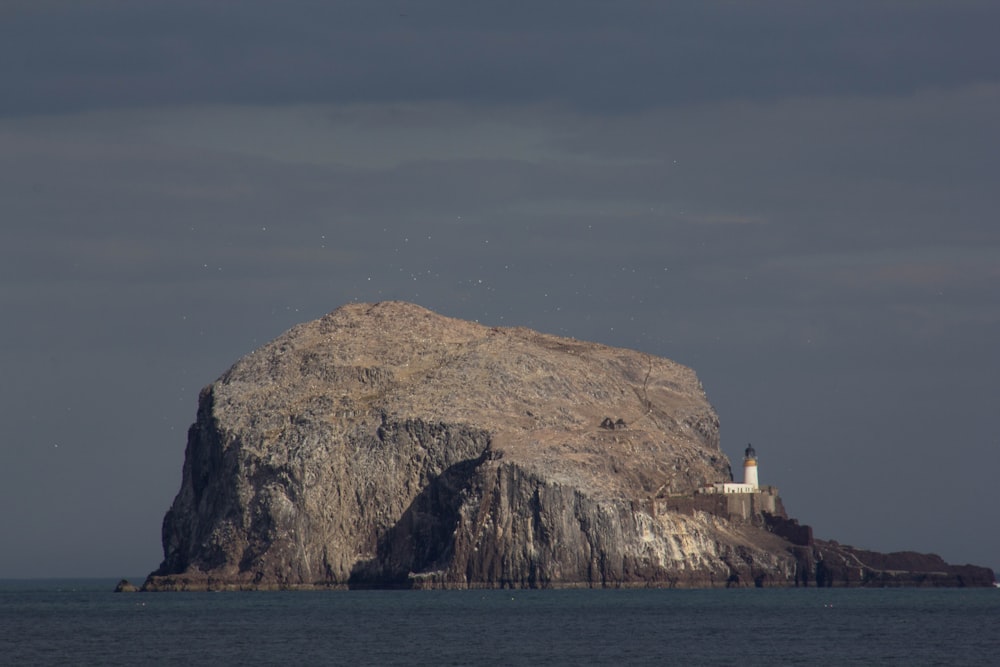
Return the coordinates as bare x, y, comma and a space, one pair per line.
732, 506
730, 487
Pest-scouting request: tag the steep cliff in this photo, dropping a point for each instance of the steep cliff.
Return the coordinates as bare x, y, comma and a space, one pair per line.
385, 445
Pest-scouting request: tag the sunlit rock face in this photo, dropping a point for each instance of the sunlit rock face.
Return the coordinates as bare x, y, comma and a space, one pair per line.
384, 445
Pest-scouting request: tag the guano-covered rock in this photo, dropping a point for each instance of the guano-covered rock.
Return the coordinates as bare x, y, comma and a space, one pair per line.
384, 445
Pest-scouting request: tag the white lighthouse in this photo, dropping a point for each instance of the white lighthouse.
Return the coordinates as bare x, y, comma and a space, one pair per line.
750, 467
750, 483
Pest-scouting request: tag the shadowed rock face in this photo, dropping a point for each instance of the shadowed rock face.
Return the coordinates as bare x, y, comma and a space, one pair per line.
385, 445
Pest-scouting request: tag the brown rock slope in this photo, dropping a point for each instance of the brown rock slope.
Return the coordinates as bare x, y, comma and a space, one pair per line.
385, 445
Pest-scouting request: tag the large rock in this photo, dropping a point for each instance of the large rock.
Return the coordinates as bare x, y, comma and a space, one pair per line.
385, 445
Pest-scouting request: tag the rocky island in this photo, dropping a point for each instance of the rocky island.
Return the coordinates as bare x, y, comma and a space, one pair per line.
384, 445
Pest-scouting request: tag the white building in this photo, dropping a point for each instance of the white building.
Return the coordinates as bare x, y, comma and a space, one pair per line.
749, 485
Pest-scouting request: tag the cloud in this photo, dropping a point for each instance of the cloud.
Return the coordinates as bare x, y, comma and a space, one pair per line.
197, 186
70, 57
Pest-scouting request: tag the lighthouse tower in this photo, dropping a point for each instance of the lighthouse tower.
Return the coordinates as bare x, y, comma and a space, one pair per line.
750, 467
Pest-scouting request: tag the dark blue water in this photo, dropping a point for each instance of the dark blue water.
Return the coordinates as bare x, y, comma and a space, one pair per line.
83, 623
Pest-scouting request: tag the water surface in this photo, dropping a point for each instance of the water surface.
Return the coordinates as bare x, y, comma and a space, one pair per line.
83, 623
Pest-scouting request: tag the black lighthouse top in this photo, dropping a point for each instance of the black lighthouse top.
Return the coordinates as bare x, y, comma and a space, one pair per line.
750, 453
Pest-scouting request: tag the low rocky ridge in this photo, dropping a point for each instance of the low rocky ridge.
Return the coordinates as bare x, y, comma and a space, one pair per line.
384, 445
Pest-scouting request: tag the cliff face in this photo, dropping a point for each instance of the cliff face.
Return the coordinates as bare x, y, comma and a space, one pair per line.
385, 445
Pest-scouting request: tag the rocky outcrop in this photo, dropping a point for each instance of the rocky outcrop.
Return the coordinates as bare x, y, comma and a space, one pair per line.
126, 586
841, 565
387, 446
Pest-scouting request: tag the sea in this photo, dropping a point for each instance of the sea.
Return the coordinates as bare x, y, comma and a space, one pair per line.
82, 622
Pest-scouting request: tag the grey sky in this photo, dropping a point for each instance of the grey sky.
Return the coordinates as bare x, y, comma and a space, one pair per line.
798, 200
